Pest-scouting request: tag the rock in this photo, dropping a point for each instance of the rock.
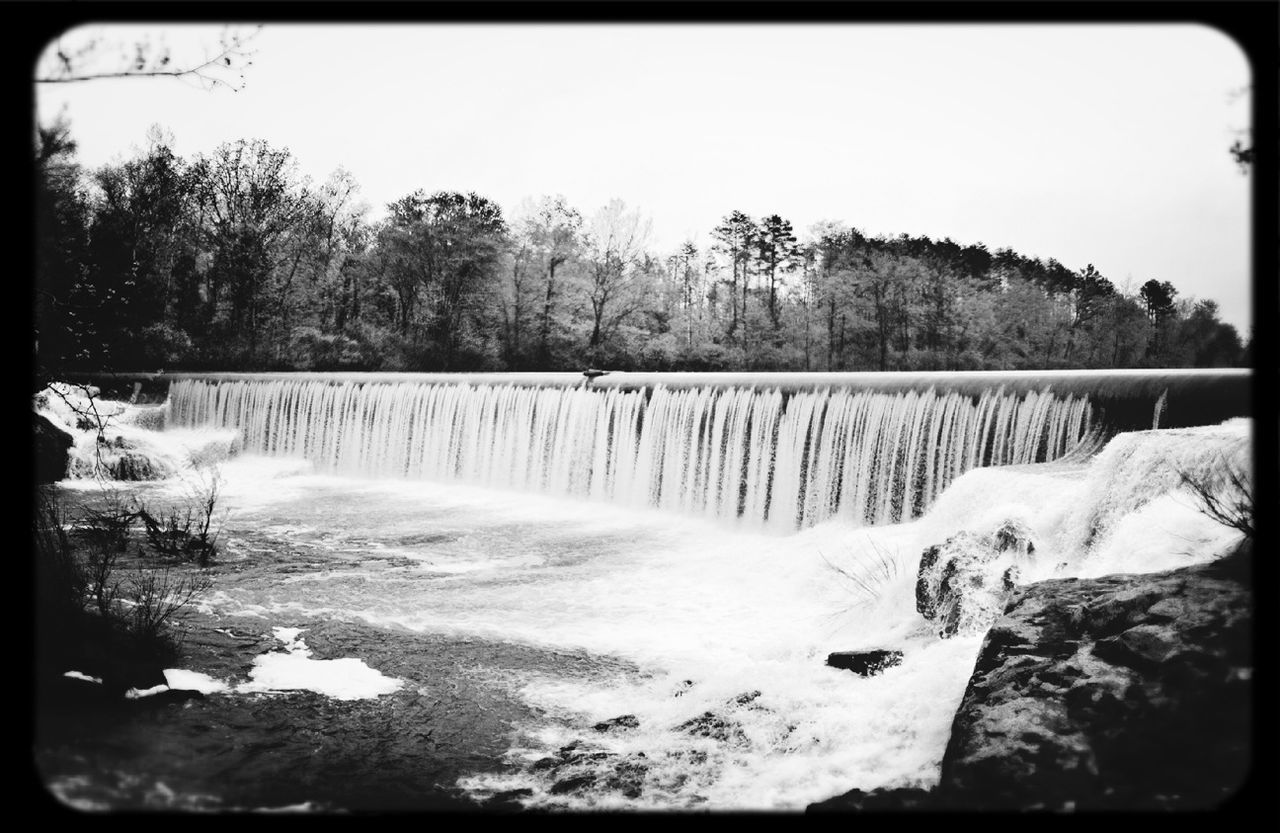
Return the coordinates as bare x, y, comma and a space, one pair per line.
626, 721
133, 466
905, 798
1088, 694
963, 584
120, 457
52, 449
628, 776
864, 663
568, 785
1012, 536
717, 726
712, 725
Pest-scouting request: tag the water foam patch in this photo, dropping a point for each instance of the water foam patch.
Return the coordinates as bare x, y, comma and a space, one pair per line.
193, 681
295, 670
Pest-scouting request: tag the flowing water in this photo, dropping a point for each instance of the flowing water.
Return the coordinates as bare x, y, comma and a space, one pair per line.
683, 557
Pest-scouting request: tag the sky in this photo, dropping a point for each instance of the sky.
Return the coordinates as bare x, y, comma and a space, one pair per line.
1102, 144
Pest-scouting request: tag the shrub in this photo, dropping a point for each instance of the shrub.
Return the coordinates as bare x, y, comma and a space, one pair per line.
84, 607
108, 526
60, 579
187, 532
869, 574
1224, 493
155, 598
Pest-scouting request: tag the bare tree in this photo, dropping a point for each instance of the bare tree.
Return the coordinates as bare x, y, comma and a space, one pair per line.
615, 247
98, 53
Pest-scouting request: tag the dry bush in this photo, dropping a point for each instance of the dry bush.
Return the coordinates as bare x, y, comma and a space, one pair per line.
1223, 492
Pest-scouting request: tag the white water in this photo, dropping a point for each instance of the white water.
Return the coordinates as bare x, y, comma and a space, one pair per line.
629, 549
784, 462
727, 608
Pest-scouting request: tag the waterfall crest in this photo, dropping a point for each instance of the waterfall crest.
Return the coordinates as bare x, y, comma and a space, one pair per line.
774, 460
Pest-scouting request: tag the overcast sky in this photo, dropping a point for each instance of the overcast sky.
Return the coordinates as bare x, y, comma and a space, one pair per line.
1102, 144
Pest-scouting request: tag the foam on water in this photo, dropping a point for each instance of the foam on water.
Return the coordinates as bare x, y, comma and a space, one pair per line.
708, 610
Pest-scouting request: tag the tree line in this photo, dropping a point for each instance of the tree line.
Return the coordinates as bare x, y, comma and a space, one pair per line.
234, 260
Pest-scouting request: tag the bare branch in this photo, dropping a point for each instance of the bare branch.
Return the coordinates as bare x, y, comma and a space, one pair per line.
1225, 495
222, 67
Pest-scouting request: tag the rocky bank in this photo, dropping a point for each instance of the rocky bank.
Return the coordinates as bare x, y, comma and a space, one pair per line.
1125, 692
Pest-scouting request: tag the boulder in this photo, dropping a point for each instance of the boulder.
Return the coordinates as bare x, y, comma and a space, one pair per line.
903, 798
864, 663
962, 585
1120, 693
626, 721
52, 449
1123, 692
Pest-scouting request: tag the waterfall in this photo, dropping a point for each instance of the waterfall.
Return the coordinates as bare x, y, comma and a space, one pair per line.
776, 460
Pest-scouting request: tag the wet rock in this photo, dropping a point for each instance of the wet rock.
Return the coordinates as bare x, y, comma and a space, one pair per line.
963, 584
864, 663
906, 798
626, 721
52, 449
711, 725
568, 785
1013, 536
717, 726
1087, 694
628, 776
1121, 693
134, 466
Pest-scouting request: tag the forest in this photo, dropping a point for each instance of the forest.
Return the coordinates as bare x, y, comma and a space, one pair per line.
234, 260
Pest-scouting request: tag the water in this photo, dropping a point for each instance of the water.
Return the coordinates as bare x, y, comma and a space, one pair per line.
657, 607
778, 461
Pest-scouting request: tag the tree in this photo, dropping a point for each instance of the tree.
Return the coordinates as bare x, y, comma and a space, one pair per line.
65, 334
1204, 341
1158, 297
777, 250
734, 237
441, 254
255, 210
554, 232
91, 54
614, 252
142, 253
469, 233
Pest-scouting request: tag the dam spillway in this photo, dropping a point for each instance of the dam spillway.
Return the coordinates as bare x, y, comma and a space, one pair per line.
781, 451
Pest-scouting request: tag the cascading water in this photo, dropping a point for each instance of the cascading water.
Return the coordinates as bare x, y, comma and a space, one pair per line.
780, 461
499, 628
